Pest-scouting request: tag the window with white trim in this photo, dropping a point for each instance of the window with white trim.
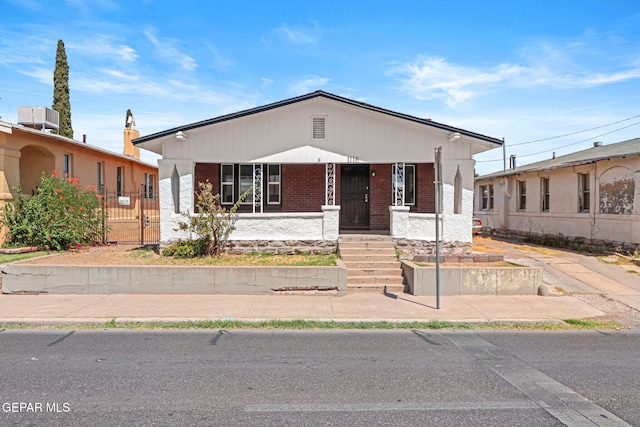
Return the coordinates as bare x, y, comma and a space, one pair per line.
149, 185
273, 184
120, 180
544, 194
67, 165
486, 197
409, 185
100, 176
584, 194
236, 179
246, 183
522, 195
227, 179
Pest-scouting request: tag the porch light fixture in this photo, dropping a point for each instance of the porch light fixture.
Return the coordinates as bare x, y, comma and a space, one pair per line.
182, 135
373, 173
454, 136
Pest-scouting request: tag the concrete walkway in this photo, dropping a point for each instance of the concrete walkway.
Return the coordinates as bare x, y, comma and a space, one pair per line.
574, 273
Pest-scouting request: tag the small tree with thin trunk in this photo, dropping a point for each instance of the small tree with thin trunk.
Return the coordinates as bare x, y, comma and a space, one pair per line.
212, 222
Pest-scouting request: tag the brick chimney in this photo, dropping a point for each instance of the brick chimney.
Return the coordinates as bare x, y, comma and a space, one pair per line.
129, 135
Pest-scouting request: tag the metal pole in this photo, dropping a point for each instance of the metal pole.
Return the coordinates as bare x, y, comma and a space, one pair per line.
504, 155
438, 166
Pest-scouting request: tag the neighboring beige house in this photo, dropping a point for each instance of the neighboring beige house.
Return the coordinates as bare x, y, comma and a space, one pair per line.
26, 151
591, 196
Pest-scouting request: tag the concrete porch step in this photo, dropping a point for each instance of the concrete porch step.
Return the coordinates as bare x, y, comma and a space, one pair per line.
366, 265
369, 238
374, 280
367, 251
377, 288
367, 245
368, 272
368, 258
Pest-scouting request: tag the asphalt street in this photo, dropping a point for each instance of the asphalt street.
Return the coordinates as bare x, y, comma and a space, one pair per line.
238, 377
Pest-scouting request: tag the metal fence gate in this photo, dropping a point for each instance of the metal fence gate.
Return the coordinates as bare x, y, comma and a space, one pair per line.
133, 218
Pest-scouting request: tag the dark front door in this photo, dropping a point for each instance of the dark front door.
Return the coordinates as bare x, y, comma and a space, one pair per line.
354, 197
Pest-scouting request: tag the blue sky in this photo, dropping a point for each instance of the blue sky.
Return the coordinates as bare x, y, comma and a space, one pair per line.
524, 71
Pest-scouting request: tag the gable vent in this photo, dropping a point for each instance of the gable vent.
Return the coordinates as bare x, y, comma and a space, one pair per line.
318, 127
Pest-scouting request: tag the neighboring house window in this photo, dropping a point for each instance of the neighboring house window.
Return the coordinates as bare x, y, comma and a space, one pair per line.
274, 187
236, 179
584, 198
226, 183
100, 177
318, 127
522, 195
486, 194
120, 180
544, 194
66, 165
149, 185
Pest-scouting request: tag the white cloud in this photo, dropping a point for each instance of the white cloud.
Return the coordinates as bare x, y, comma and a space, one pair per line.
435, 78
308, 85
101, 46
428, 78
166, 49
300, 35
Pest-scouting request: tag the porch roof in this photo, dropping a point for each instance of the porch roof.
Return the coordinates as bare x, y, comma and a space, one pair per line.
306, 154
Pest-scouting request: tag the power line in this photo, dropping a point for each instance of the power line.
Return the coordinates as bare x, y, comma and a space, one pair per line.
568, 145
574, 133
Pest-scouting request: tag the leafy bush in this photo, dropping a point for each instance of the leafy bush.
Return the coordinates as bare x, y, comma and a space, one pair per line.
187, 248
59, 216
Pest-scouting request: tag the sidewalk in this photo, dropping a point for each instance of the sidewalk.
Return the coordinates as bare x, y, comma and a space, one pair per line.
580, 276
353, 307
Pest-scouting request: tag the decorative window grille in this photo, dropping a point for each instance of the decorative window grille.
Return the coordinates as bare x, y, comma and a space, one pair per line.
398, 184
330, 184
257, 188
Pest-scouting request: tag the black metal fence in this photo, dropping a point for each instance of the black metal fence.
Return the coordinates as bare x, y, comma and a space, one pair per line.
133, 218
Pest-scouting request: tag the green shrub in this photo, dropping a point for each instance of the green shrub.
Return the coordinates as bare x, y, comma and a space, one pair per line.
187, 248
60, 215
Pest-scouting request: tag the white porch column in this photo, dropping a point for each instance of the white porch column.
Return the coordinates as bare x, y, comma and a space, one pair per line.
257, 188
399, 226
330, 183
398, 184
331, 222
182, 180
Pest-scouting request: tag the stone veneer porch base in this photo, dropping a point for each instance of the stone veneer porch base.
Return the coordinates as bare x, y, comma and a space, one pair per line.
282, 247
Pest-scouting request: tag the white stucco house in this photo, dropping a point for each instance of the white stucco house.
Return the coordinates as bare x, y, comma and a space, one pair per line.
591, 196
319, 165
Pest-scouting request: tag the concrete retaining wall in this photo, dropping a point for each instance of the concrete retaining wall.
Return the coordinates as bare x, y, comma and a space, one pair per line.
473, 280
170, 279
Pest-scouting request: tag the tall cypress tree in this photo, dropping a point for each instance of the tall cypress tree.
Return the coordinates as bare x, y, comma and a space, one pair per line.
61, 91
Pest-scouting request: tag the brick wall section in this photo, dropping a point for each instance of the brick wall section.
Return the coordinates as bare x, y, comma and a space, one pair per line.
204, 172
380, 197
303, 188
426, 189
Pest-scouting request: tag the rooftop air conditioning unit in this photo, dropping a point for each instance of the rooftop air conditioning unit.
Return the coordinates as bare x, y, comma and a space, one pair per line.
38, 117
